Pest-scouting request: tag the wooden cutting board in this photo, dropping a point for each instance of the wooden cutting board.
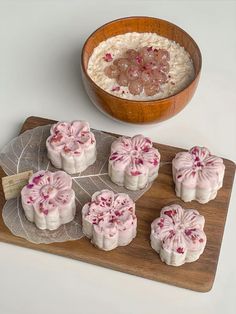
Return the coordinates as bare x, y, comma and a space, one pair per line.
138, 258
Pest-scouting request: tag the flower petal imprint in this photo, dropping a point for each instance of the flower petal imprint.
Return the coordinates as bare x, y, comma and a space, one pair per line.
109, 220
197, 174
48, 199
133, 162
71, 146
177, 235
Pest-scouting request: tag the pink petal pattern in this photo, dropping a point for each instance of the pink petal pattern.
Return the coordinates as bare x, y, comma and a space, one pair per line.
109, 219
45, 185
133, 157
71, 146
49, 194
71, 137
177, 235
197, 174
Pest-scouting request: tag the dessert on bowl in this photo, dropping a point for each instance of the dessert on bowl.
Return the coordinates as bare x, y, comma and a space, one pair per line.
71, 146
197, 174
48, 199
140, 69
140, 66
177, 235
133, 162
109, 220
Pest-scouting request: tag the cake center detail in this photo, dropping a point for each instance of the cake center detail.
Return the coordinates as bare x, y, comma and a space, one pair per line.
48, 191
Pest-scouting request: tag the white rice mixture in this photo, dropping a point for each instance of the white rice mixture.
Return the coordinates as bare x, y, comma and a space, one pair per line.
181, 65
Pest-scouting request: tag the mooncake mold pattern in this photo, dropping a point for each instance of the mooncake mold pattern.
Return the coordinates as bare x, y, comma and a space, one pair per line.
109, 220
71, 146
197, 174
177, 235
48, 199
133, 162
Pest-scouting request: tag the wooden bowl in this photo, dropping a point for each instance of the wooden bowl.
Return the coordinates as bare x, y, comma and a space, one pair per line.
141, 112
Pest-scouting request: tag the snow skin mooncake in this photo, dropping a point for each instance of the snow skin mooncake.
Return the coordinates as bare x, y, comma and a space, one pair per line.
48, 199
71, 146
109, 219
133, 162
177, 235
197, 174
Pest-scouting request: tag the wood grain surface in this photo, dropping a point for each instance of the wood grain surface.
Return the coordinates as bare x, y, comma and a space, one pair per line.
140, 111
138, 258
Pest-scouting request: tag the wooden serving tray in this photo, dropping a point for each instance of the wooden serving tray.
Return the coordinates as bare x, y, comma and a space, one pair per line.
139, 258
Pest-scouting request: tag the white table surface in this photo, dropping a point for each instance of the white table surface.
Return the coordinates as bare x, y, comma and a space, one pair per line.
40, 45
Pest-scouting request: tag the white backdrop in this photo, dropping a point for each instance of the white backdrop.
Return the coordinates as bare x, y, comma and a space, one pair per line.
40, 45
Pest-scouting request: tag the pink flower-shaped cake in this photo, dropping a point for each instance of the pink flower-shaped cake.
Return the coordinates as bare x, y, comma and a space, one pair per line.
48, 199
133, 162
177, 235
197, 174
109, 220
71, 146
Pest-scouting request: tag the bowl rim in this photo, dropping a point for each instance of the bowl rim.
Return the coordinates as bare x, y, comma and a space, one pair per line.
145, 102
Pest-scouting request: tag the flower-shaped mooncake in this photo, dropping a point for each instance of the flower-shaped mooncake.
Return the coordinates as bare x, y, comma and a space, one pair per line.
197, 174
71, 146
133, 162
177, 235
48, 199
109, 220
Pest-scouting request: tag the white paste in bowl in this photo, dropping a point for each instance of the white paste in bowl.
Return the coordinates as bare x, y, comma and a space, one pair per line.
181, 66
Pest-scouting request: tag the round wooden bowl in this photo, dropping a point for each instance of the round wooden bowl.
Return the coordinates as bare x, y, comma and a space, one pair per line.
141, 112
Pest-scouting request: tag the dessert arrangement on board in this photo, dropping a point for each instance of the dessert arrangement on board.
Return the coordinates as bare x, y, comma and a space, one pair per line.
138, 66
129, 252
109, 218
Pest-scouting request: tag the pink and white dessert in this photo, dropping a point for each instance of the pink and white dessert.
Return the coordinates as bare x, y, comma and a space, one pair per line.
144, 69
109, 220
133, 162
140, 66
197, 174
48, 199
178, 236
71, 146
